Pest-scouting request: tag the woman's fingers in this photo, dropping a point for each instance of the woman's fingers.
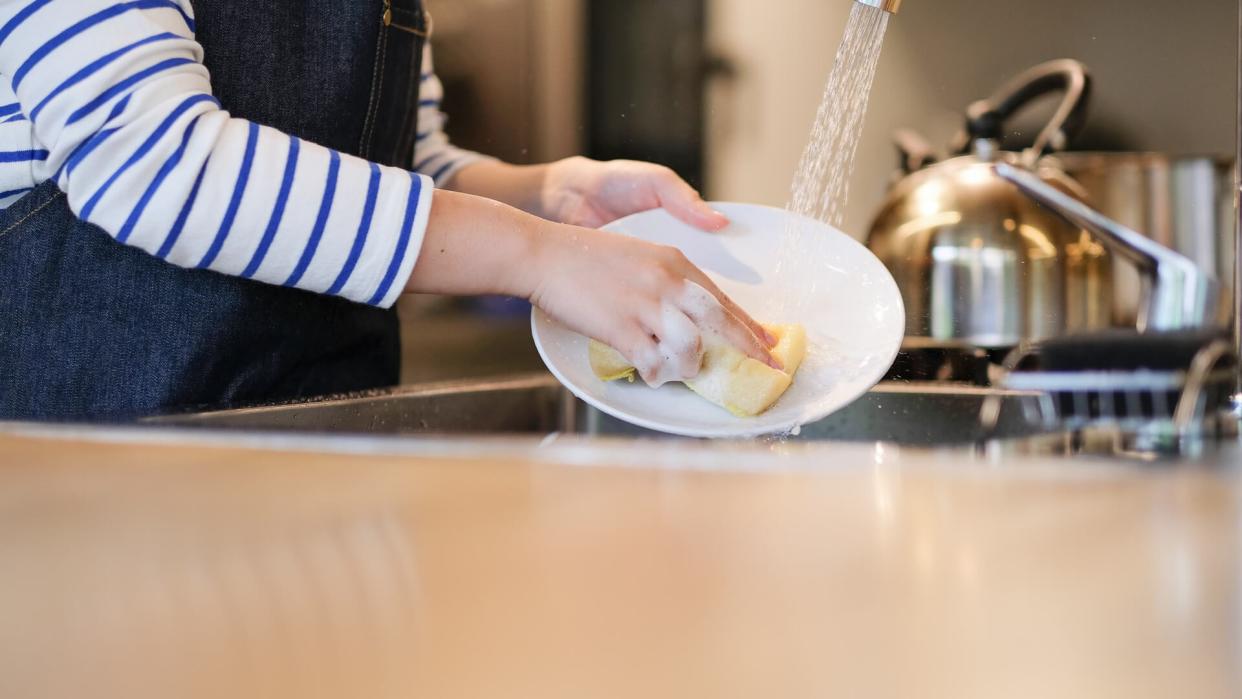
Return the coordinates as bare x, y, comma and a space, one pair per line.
697, 276
684, 203
668, 347
680, 344
707, 311
638, 347
737, 334
740, 336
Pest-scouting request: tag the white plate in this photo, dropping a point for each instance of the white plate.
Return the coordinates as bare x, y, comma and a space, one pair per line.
823, 279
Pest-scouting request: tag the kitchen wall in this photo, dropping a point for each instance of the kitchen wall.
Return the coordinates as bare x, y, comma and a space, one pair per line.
512, 73
1165, 78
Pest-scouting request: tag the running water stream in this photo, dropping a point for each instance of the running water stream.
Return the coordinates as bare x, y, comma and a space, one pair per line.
820, 190
821, 184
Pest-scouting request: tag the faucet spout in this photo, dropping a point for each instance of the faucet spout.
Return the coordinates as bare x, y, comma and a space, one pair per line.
1180, 296
889, 6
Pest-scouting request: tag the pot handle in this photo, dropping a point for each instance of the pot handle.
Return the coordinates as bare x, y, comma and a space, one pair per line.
986, 119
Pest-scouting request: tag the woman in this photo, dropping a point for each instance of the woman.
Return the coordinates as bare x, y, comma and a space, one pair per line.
262, 149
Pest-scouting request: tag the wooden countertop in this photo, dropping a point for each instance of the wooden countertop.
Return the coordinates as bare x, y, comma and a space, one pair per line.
162, 570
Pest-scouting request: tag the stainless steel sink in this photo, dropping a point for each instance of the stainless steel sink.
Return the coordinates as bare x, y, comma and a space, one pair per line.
902, 413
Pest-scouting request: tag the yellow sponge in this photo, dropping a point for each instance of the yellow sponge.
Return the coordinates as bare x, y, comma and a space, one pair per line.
728, 378
608, 364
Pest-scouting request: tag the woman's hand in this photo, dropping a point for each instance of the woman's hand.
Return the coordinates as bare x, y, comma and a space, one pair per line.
590, 193
647, 301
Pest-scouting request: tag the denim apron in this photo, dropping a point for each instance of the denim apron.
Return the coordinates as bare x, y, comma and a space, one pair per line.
94, 330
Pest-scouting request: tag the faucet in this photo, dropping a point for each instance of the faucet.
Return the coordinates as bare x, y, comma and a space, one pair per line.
1180, 296
889, 6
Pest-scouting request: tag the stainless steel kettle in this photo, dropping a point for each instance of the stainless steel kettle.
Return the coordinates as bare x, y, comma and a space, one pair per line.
979, 262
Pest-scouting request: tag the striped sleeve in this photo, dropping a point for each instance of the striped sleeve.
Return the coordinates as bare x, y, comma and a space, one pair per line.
18, 155
434, 155
117, 108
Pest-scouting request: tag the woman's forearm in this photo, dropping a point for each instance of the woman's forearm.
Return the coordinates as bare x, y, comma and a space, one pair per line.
475, 245
519, 186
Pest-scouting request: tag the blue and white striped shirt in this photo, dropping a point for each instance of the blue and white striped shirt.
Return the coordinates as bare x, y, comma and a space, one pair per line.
110, 99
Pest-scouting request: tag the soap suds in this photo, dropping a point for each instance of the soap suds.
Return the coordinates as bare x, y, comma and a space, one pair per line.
678, 353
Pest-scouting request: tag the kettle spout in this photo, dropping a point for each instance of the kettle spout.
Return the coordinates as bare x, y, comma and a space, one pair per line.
1180, 296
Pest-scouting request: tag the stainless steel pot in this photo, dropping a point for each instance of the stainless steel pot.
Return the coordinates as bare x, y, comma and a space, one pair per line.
979, 262
1184, 203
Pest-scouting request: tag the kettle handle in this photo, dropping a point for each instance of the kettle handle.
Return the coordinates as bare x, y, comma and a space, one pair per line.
986, 119
914, 151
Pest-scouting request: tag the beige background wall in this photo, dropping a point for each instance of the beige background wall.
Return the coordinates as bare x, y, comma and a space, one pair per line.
512, 71
1166, 78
